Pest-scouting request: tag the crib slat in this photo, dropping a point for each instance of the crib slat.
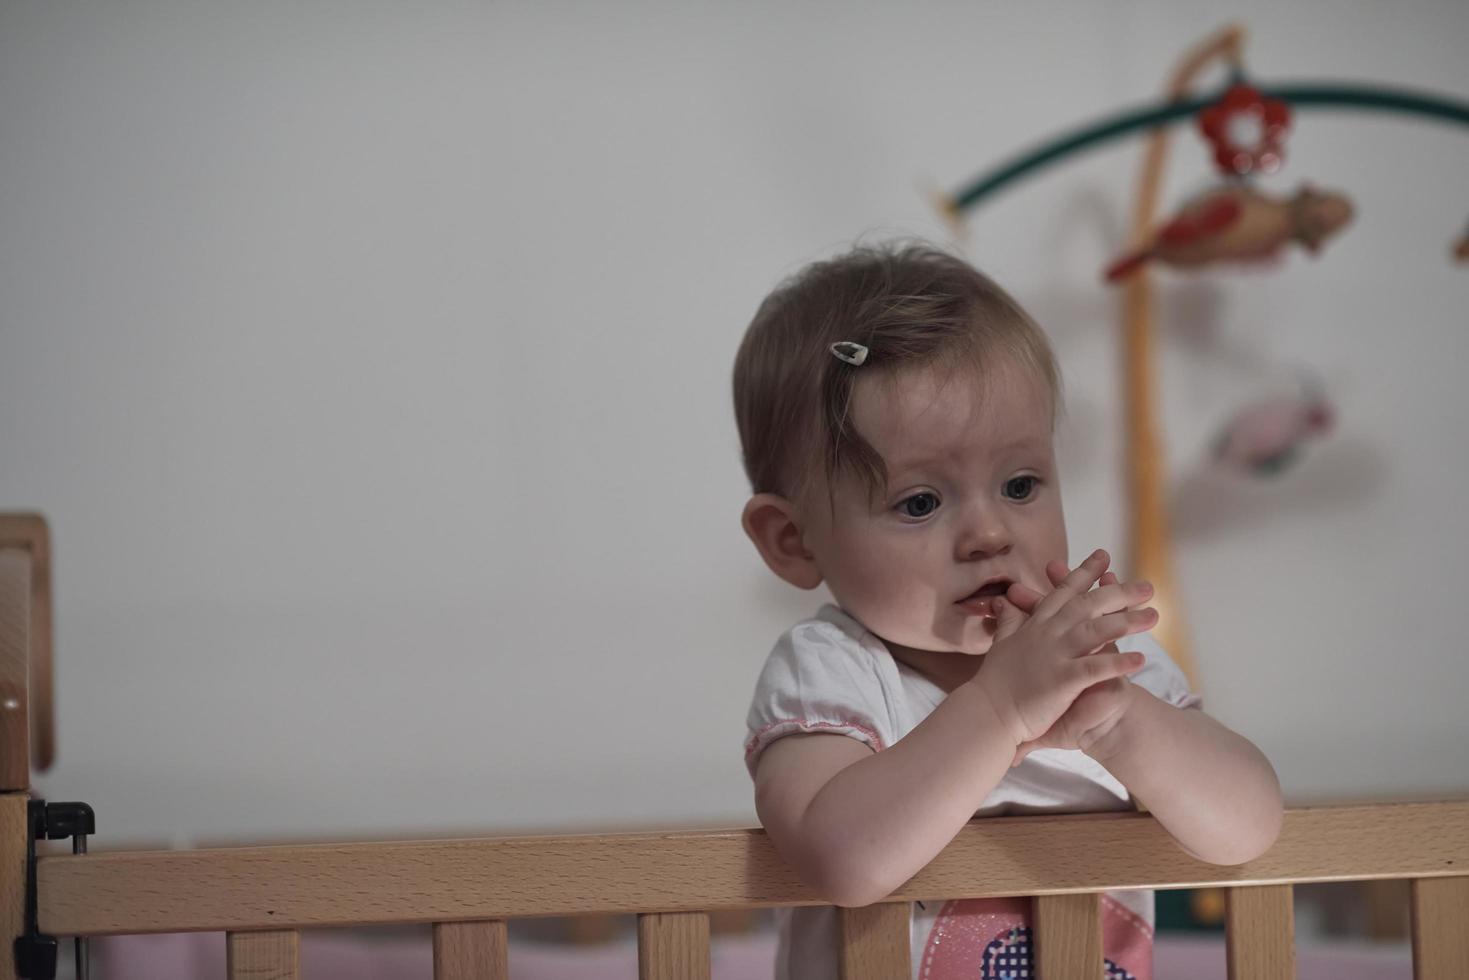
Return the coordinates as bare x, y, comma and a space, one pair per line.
1440, 928
1068, 936
673, 946
1259, 929
471, 951
264, 955
875, 941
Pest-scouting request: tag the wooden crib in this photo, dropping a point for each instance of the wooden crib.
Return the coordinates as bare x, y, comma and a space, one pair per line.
262, 897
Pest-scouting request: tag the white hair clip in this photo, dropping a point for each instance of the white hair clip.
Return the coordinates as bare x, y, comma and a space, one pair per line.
853, 354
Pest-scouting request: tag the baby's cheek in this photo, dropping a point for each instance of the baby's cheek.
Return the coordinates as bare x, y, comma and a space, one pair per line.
895, 598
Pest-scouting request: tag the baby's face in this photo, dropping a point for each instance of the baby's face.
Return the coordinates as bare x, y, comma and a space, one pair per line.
972, 503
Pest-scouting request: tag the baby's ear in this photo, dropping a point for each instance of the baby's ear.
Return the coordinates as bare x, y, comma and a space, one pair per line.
771, 523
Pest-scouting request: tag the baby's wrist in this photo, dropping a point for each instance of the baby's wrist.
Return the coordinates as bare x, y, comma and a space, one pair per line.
994, 718
1113, 741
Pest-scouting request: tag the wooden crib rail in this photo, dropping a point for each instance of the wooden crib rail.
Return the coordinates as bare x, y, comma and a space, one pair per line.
467, 888
324, 885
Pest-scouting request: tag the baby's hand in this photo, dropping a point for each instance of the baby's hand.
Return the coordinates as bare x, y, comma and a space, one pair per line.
1098, 709
1041, 662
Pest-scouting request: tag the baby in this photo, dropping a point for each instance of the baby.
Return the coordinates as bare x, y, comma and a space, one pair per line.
896, 412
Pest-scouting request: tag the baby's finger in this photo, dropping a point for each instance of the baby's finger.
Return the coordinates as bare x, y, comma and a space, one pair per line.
1086, 671
1093, 633
1056, 571
1076, 582
1110, 579
1101, 601
1008, 617
1023, 596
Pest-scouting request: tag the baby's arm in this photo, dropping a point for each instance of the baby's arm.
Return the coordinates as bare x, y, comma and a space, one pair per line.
1208, 786
856, 824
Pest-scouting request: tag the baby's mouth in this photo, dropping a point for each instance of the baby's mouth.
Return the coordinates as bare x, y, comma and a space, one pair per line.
980, 602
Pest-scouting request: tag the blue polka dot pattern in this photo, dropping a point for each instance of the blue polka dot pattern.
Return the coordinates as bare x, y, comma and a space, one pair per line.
1008, 957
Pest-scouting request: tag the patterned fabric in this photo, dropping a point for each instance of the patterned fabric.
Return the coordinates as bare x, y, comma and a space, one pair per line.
991, 939
1007, 957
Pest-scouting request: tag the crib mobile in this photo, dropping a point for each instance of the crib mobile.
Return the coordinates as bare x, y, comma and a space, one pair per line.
1245, 128
262, 896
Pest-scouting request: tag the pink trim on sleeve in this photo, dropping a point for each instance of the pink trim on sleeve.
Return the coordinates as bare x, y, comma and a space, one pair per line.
790, 726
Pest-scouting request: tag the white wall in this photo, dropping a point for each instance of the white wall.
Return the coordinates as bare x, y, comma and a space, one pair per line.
371, 361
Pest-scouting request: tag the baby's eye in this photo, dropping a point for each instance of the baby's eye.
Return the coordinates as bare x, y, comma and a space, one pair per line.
919, 505
1021, 487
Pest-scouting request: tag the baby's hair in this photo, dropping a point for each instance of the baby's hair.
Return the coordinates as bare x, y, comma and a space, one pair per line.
910, 305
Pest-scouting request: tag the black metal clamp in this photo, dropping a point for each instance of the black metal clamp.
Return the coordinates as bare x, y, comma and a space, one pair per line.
35, 954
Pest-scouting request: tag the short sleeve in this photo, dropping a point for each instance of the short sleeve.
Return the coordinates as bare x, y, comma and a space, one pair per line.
817, 679
1159, 676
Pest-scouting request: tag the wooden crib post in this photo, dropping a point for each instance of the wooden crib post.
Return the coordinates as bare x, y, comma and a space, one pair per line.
27, 536
12, 876
1440, 928
15, 608
15, 583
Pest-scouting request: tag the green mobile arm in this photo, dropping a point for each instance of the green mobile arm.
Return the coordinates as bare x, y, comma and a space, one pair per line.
1153, 116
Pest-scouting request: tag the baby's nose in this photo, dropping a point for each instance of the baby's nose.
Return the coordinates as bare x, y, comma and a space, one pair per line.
984, 539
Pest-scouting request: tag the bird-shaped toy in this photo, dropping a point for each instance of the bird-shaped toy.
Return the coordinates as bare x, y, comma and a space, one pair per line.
1266, 437
1239, 223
